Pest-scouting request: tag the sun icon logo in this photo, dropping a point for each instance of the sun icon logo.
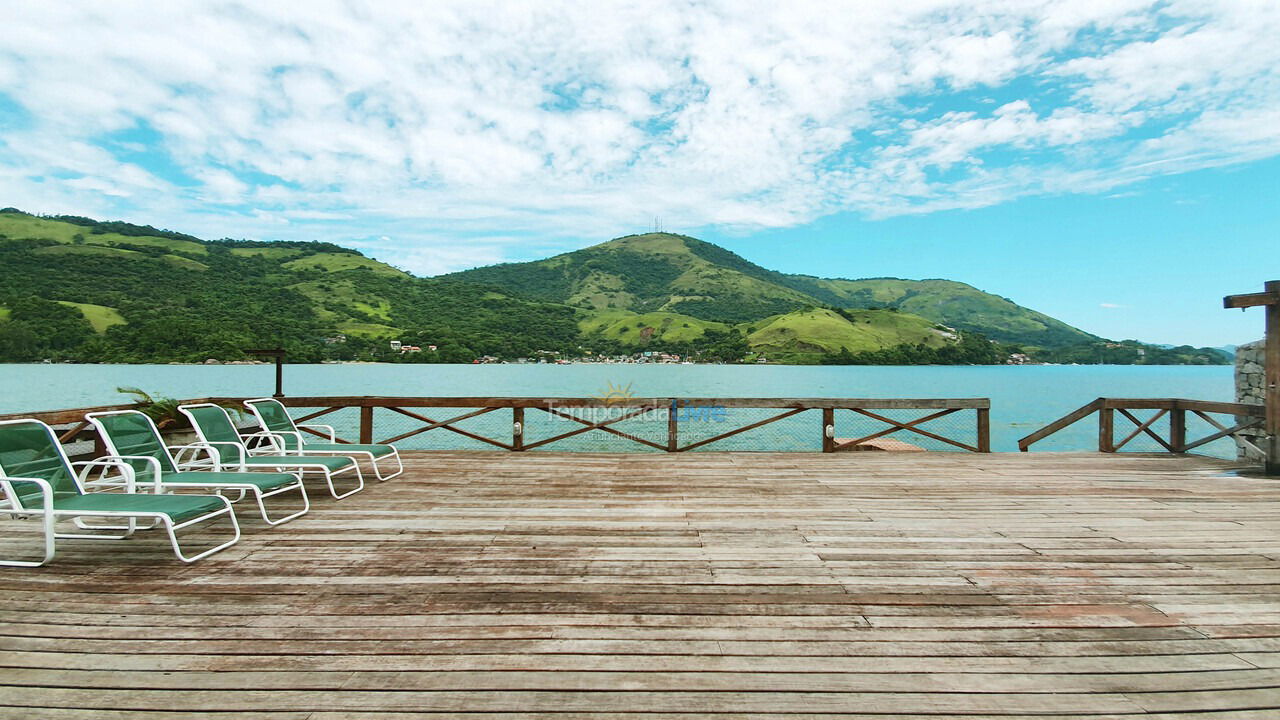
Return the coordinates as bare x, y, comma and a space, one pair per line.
615, 394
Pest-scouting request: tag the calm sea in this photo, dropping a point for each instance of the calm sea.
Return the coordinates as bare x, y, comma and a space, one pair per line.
1023, 398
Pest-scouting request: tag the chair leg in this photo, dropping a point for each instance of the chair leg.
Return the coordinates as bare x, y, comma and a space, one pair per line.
328, 478
129, 528
262, 508
239, 497
46, 529
173, 537
377, 470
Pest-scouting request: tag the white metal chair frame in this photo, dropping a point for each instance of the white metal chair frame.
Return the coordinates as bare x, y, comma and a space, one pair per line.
332, 438
160, 487
215, 461
50, 515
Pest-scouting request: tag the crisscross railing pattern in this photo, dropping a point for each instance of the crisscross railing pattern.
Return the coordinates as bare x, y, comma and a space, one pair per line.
648, 424
1182, 417
628, 424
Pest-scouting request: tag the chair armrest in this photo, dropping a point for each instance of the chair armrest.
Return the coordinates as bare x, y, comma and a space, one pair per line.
267, 443
327, 428
125, 468
46, 493
284, 446
214, 456
153, 468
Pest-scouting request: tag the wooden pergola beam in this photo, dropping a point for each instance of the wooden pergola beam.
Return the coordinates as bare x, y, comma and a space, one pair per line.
1248, 300
1270, 299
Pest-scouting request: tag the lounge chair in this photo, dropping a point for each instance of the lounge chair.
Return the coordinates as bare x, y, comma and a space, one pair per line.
132, 437
227, 450
38, 480
274, 418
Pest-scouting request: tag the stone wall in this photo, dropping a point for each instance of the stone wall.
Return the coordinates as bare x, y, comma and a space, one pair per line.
1250, 378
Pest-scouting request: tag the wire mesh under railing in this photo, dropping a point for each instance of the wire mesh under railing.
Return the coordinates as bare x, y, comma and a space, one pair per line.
1171, 425
601, 425
653, 425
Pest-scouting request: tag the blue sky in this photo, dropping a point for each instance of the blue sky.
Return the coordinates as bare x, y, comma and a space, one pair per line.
1113, 163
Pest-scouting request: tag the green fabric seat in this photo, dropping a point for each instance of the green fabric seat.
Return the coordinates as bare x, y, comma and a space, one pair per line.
332, 464
133, 438
216, 430
261, 480
214, 426
276, 421
30, 449
177, 507
375, 450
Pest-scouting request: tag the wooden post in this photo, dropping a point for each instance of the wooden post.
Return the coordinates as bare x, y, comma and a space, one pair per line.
1270, 299
278, 353
1178, 430
1106, 430
984, 430
366, 424
517, 429
1273, 380
828, 438
673, 427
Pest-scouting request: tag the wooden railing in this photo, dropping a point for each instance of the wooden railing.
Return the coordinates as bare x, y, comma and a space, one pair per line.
1246, 417
422, 416
416, 408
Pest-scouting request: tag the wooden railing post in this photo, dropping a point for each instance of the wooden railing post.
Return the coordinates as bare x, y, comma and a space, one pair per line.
366, 424
1271, 379
828, 430
1178, 430
517, 428
1106, 430
673, 426
984, 430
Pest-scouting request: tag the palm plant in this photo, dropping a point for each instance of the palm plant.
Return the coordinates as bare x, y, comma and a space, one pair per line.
163, 410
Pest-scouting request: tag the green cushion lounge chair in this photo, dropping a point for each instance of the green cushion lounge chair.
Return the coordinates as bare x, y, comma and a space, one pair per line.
275, 419
132, 437
38, 480
227, 450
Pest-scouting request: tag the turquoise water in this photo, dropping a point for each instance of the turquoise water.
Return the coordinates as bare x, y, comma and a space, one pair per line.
1023, 398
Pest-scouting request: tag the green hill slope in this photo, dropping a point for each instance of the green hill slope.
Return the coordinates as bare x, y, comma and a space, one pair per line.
636, 330
644, 273
675, 273
82, 290
952, 303
823, 331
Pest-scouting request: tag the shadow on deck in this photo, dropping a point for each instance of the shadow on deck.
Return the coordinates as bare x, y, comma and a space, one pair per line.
514, 584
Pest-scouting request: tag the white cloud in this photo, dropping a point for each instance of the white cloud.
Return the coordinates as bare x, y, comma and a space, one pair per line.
473, 119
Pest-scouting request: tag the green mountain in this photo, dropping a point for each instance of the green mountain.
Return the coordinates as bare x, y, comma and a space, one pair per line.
84, 290
820, 330
644, 273
951, 303
683, 275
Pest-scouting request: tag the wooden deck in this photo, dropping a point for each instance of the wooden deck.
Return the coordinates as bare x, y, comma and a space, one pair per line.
691, 585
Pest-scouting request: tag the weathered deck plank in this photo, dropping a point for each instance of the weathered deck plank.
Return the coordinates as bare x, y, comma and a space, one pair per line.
679, 586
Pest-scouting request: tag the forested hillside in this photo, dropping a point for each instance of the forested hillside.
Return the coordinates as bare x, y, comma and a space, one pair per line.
684, 275
81, 290
111, 292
